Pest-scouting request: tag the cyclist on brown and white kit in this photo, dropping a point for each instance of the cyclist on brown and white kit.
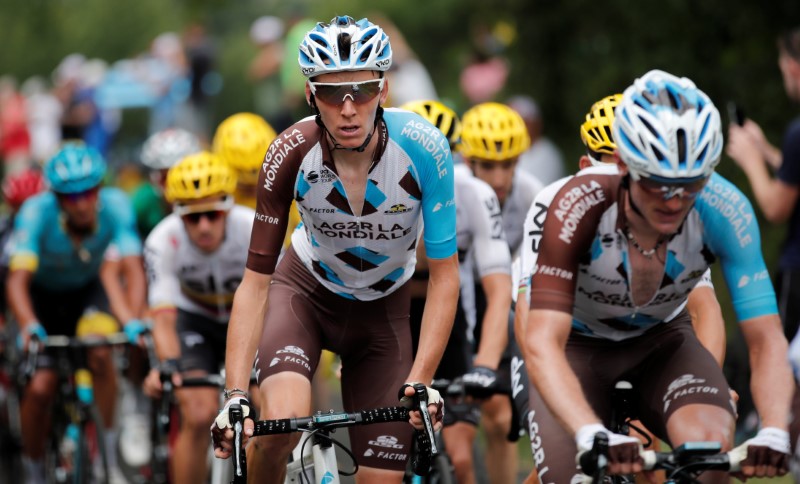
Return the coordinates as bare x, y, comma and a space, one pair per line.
362, 178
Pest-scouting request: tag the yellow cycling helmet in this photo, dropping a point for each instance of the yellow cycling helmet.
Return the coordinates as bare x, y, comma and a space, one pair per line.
596, 130
242, 140
438, 115
493, 132
199, 176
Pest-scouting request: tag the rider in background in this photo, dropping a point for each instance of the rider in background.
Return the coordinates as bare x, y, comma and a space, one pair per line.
242, 140
195, 259
58, 245
617, 259
17, 187
159, 152
493, 137
478, 226
363, 179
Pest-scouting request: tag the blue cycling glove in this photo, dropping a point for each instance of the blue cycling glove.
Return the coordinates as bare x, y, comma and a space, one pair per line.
34, 329
133, 329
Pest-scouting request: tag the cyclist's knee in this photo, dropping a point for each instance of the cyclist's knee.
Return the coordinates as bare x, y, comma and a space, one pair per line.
197, 418
701, 423
496, 417
101, 362
41, 390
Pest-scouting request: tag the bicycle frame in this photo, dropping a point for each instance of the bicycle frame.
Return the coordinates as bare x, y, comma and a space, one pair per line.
74, 399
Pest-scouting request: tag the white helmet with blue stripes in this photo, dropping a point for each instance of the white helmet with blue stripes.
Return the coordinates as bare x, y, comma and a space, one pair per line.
665, 127
345, 45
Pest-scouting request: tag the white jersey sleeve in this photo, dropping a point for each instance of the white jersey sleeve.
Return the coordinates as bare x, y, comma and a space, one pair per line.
480, 226
160, 248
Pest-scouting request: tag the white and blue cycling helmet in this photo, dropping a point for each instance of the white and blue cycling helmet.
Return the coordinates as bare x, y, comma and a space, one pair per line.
75, 168
345, 45
667, 128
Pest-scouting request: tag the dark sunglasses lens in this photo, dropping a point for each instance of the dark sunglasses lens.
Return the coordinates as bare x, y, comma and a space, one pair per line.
76, 197
195, 217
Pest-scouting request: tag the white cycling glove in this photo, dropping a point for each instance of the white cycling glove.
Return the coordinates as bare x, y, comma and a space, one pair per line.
584, 437
223, 419
771, 438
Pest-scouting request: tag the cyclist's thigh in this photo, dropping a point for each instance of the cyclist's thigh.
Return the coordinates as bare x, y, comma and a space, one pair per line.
291, 340
552, 447
376, 359
679, 372
519, 383
202, 342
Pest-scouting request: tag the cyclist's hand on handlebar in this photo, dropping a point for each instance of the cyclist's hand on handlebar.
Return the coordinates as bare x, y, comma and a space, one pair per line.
152, 386
765, 455
624, 452
222, 431
32, 330
480, 382
435, 406
134, 329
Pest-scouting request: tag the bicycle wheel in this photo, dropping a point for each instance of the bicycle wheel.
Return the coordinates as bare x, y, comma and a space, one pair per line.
441, 471
90, 458
159, 439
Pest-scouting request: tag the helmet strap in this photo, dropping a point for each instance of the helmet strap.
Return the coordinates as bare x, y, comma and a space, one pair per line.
626, 182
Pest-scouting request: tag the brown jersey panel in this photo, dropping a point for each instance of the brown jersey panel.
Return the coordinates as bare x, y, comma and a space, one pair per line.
275, 193
569, 228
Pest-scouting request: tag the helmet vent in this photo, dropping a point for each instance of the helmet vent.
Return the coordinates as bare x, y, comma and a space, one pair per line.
682, 148
344, 41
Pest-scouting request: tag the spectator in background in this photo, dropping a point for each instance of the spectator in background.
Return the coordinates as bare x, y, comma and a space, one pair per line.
14, 139
44, 117
408, 77
292, 79
166, 70
543, 159
487, 72
777, 196
266, 33
205, 82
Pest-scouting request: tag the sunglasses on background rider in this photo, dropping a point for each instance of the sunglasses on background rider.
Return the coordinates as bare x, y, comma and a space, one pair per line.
336, 93
668, 190
195, 217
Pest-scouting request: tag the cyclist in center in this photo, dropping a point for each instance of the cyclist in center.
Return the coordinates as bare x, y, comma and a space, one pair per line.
620, 253
363, 179
195, 258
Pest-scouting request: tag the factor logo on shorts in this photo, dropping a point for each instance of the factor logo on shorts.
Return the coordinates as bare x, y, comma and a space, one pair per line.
386, 441
291, 354
388, 444
686, 385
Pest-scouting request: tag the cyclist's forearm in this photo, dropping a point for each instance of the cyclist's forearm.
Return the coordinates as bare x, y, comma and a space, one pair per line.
135, 284
110, 278
549, 370
494, 333
19, 299
165, 333
245, 328
771, 381
437, 318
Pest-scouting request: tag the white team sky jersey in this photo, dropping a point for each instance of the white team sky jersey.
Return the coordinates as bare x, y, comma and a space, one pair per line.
182, 276
534, 221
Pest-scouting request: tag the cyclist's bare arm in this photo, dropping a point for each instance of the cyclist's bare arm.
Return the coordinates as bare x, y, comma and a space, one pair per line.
771, 381
126, 302
135, 282
437, 317
494, 335
19, 298
707, 321
545, 358
165, 333
245, 327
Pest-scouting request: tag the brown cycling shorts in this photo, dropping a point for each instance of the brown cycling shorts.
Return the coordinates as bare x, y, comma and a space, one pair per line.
668, 368
372, 338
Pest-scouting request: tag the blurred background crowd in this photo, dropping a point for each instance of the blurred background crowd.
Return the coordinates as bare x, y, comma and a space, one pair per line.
112, 72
